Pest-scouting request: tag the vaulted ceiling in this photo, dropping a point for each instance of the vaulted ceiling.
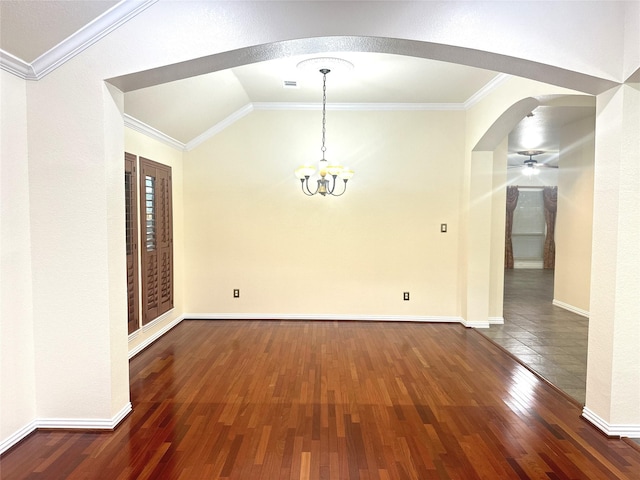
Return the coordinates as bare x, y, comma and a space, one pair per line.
186, 109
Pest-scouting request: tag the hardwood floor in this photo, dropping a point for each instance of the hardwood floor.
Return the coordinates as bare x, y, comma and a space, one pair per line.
331, 400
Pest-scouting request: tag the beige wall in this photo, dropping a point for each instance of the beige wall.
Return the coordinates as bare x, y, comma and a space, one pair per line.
575, 216
76, 199
498, 220
17, 381
248, 225
144, 146
613, 363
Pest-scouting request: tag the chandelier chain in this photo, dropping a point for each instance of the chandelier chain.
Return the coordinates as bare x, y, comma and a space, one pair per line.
324, 111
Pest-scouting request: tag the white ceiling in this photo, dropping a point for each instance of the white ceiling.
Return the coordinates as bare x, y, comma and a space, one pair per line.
187, 108
30, 28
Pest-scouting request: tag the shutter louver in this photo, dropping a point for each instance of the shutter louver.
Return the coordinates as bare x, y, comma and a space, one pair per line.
157, 256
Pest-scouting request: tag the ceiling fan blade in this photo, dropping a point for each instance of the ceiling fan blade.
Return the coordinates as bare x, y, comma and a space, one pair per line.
537, 165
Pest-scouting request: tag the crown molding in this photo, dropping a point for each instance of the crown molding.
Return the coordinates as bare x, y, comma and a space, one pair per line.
16, 66
288, 106
138, 126
359, 107
76, 43
291, 106
486, 90
220, 126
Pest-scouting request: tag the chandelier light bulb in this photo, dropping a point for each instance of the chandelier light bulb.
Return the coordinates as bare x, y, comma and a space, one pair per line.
305, 171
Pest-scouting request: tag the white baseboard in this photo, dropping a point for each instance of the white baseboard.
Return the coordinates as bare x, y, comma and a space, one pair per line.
496, 320
630, 431
138, 348
66, 424
85, 423
475, 323
571, 308
534, 264
321, 316
362, 318
17, 436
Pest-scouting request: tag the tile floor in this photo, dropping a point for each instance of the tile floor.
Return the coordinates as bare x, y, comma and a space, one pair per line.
548, 339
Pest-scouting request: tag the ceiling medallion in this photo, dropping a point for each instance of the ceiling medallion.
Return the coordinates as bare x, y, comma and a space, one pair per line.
332, 64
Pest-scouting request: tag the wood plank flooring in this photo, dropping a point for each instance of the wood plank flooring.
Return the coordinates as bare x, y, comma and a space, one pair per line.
331, 400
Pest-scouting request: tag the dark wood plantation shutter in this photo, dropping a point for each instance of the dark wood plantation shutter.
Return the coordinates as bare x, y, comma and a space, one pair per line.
131, 235
156, 225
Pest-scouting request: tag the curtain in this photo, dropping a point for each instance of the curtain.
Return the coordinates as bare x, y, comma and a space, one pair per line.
550, 209
512, 201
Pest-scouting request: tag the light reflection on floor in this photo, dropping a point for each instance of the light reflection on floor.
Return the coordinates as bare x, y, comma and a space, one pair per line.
548, 339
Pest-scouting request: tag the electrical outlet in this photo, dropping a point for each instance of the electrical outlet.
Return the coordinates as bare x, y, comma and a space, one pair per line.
443, 227
236, 293
406, 296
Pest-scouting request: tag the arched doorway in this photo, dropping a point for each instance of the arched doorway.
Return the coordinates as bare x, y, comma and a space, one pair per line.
544, 332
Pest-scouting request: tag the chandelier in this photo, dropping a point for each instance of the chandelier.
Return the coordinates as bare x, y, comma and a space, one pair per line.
329, 172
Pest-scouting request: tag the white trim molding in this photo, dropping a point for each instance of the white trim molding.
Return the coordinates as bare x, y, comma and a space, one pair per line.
86, 423
525, 264
138, 348
16, 66
630, 431
359, 107
571, 308
17, 436
486, 90
321, 316
138, 126
142, 127
496, 320
66, 424
157, 320
76, 43
292, 106
475, 323
220, 126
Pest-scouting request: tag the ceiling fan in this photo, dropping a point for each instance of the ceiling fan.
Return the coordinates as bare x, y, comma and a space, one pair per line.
530, 166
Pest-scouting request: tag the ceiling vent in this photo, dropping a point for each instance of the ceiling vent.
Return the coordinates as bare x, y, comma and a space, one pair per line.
290, 84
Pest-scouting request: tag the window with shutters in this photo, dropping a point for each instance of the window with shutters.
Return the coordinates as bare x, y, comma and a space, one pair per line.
156, 225
131, 237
